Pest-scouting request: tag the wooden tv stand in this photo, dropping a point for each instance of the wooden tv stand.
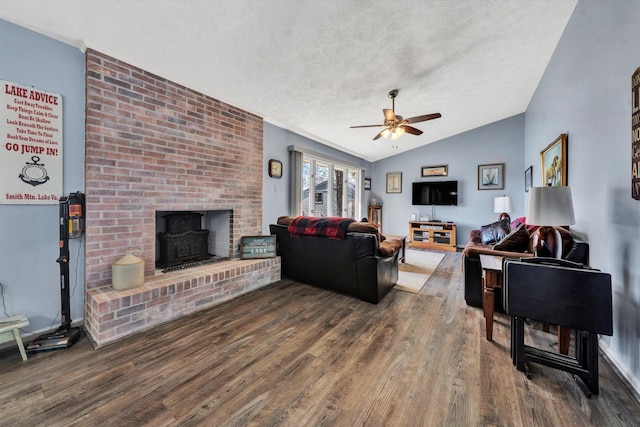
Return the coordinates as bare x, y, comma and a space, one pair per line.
432, 235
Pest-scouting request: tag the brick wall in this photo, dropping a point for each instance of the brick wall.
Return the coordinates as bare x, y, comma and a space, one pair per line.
155, 145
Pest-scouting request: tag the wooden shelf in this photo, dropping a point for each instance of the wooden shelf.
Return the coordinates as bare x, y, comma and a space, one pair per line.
375, 216
432, 235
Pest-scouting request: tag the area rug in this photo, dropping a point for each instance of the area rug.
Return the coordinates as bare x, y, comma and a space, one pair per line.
414, 273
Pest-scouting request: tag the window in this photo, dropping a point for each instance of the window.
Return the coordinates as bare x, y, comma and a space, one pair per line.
336, 188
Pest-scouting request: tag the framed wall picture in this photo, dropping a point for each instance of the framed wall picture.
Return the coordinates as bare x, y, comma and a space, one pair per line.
491, 177
367, 183
427, 171
394, 182
528, 178
553, 161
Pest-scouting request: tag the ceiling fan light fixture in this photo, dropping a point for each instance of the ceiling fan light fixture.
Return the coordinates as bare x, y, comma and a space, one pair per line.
385, 133
397, 133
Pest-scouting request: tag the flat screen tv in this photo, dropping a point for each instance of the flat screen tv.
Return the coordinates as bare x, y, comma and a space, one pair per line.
435, 193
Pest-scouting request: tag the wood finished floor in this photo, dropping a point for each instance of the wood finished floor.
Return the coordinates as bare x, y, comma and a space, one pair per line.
294, 355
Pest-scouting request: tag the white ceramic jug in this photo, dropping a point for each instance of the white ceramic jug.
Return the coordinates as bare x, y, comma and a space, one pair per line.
128, 271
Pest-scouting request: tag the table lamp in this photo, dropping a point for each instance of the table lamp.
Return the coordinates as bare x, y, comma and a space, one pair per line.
503, 205
549, 207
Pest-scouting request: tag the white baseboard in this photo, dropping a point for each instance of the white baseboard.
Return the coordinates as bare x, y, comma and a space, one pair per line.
621, 370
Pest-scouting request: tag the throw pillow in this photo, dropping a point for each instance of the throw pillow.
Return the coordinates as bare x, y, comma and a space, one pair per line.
516, 241
495, 232
518, 222
523, 220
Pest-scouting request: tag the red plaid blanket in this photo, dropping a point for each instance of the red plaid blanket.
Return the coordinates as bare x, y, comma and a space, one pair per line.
332, 227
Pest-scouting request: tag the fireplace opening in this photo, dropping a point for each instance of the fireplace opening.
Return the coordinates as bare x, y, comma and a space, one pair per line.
187, 239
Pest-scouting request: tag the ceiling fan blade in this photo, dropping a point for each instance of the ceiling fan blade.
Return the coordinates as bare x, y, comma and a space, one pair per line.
366, 126
412, 130
378, 135
423, 118
389, 115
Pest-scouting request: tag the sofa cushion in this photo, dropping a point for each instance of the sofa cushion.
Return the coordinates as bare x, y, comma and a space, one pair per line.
363, 227
366, 227
475, 236
495, 232
284, 220
516, 241
389, 247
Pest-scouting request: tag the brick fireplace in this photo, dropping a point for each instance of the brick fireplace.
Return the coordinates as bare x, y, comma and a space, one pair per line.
153, 145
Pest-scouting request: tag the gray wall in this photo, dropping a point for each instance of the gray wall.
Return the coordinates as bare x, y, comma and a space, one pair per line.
499, 142
275, 192
29, 234
586, 92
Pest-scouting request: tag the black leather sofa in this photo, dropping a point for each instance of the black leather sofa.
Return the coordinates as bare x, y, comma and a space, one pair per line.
351, 265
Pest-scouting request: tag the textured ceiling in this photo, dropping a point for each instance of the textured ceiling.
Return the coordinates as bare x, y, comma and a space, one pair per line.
316, 67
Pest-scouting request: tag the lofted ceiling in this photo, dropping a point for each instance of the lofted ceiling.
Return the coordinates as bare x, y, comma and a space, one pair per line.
317, 67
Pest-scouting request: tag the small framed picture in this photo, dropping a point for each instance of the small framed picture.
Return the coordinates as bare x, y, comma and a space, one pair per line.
491, 177
427, 171
394, 182
528, 178
367, 183
553, 160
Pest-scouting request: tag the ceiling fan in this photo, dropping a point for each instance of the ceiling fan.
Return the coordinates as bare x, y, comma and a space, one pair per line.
395, 125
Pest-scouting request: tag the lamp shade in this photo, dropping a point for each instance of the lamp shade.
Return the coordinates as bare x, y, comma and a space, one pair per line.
502, 204
550, 206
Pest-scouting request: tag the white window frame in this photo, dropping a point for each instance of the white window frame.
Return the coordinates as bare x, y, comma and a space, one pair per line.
312, 159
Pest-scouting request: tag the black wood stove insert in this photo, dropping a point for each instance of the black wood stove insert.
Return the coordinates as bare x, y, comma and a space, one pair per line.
184, 242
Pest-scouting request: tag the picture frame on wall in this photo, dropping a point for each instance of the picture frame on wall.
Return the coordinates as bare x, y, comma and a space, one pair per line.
394, 182
528, 178
428, 171
367, 183
491, 176
553, 160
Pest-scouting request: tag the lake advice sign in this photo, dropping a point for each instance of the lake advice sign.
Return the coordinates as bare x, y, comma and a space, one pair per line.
31, 150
